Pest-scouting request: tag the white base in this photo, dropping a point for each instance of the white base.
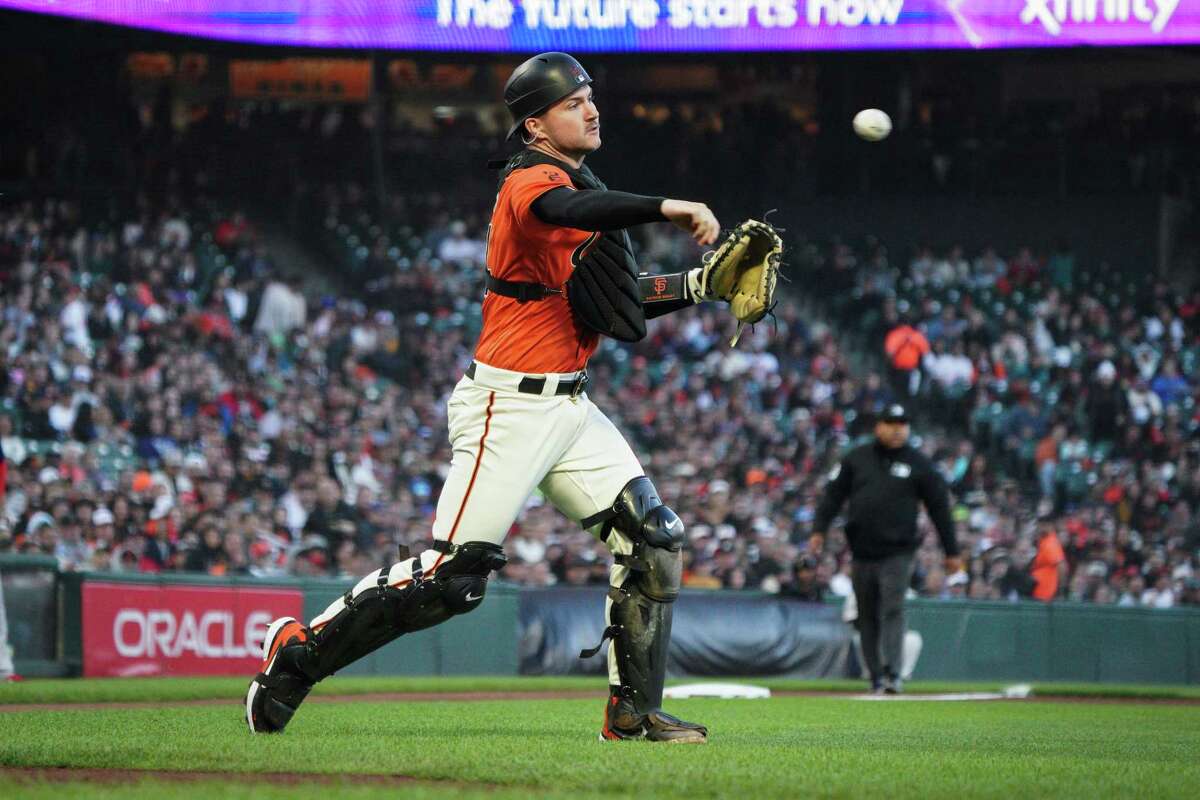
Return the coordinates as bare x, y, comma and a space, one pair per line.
726, 691
1018, 692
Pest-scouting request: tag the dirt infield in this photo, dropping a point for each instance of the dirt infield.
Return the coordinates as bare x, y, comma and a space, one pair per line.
390, 697
128, 776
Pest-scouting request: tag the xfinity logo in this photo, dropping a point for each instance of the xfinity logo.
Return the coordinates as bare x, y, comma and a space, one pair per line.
1053, 14
150, 634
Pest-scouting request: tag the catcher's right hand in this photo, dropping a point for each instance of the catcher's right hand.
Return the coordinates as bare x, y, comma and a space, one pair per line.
695, 218
743, 270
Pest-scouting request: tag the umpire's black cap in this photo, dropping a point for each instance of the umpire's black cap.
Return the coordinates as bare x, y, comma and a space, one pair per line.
894, 413
540, 83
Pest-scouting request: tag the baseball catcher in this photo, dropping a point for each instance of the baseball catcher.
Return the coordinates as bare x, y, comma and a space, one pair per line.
561, 273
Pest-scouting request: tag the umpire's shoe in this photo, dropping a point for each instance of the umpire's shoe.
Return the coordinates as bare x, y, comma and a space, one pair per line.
621, 721
277, 691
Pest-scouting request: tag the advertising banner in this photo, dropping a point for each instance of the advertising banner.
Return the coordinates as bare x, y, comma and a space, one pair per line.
714, 633
140, 629
654, 25
331, 79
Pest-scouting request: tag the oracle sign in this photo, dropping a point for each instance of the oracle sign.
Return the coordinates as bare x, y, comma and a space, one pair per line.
133, 629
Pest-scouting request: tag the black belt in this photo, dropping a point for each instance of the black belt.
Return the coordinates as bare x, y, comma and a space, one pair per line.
536, 385
521, 291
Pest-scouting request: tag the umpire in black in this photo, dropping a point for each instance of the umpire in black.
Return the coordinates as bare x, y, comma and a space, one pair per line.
883, 481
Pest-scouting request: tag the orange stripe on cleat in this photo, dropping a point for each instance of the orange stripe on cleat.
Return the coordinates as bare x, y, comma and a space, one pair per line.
605, 731
292, 629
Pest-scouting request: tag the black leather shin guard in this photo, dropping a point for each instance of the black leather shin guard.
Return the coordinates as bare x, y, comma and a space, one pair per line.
640, 617
641, 640
380, 614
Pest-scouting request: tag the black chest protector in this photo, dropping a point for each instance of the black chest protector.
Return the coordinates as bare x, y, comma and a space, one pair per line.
603, 288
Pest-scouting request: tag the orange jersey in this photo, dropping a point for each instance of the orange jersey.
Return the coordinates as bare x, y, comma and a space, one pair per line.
905, 345
538, 336
1045, 567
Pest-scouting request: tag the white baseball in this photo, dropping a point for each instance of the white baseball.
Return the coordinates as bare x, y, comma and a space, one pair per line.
872, 124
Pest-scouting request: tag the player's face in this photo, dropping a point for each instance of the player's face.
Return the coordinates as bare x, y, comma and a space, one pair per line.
572, 125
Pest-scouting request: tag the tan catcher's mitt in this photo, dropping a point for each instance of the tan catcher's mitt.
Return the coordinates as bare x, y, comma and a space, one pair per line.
742, 271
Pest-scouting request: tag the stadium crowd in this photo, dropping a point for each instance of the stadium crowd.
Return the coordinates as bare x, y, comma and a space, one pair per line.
1076, 389
172, 400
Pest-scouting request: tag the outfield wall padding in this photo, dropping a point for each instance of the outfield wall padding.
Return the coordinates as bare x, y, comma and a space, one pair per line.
31, 599
749, 633
541, 631
726, 633
1056, 642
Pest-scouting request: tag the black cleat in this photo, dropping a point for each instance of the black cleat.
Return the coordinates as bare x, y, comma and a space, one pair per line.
621, 721
276, 692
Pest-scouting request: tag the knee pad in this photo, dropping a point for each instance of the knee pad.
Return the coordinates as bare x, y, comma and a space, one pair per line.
656, 563
640, 514
462, 580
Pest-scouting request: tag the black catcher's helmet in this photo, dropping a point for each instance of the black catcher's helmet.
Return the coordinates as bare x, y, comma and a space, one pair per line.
540, 83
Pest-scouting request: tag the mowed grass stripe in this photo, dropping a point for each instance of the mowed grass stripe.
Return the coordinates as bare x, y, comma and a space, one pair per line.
126, 690
150, 788
782, 747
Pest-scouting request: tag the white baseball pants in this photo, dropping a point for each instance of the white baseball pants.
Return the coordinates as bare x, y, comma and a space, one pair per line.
507, 443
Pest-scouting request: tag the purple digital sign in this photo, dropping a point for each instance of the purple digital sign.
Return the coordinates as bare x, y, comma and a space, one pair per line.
653, 25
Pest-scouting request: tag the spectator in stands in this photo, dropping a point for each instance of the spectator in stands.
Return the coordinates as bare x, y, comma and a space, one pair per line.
905, 346
1144, 405
1161, 595
1106, 404
70, 549
988, 269
1060, 269
282, 308
457, 248
1170, 386
1049, 567
209, 554
804, 584
1023, 270
1191, 593
334, 520
1045, 459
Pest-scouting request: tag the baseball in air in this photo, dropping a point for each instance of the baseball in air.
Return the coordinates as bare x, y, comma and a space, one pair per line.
872, 124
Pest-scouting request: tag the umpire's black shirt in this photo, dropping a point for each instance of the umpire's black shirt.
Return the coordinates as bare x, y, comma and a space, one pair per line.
883, 486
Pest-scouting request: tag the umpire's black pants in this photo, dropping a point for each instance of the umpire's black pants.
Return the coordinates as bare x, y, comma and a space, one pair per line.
879, 587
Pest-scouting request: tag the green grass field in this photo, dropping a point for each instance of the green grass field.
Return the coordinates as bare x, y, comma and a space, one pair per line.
787, 746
